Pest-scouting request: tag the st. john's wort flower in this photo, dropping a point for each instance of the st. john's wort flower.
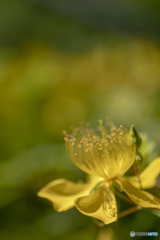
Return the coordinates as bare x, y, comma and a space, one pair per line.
105, 159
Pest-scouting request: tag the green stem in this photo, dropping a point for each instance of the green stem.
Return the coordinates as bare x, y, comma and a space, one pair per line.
129, 211
123, 197
137, 173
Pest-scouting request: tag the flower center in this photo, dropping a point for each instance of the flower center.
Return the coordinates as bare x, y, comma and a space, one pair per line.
111, 179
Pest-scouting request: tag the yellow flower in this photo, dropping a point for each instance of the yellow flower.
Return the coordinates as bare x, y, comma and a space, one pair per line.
106, 160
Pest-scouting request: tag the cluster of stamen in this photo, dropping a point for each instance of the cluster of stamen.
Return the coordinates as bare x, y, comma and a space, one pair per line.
94, 151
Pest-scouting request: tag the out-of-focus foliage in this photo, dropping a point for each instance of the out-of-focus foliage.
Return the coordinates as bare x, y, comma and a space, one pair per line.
55, 72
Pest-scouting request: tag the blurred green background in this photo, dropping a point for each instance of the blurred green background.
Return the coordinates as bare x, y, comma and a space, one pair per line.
62, 62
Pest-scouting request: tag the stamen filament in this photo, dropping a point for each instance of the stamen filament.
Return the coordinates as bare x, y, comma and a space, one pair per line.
102, 132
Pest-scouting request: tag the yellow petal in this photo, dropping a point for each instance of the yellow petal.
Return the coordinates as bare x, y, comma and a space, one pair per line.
100, 204
62, 192
149, 176
141, 198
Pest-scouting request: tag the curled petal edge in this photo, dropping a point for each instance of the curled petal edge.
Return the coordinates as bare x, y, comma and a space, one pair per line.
140, 197
62, 192
149, 175
100, 204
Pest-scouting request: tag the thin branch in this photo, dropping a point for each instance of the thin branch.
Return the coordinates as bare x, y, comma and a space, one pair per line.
125, 198
137, 173
129, 211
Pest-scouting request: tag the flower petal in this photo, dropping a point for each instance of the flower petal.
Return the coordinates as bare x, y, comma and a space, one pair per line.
149, 176
100, 204
141, 198
62, 192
